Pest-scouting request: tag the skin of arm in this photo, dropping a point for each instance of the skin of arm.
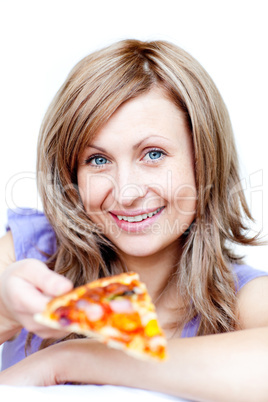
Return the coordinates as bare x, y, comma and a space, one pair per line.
210, 368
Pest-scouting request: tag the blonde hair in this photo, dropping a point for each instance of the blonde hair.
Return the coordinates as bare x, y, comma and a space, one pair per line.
96, 87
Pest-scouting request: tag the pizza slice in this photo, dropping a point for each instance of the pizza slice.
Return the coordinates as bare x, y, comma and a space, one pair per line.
116, 310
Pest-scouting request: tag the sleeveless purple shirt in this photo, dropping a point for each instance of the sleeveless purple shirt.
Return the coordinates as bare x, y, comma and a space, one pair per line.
34, 238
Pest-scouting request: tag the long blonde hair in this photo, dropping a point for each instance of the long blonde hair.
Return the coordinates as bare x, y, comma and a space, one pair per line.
92, 92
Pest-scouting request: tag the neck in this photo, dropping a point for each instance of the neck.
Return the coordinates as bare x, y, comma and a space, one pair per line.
154, 270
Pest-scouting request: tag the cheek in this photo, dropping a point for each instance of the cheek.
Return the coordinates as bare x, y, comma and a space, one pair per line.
184, 194
185, 200
94, 189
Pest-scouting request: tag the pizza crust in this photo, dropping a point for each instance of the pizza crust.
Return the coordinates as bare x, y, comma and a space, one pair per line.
93, 335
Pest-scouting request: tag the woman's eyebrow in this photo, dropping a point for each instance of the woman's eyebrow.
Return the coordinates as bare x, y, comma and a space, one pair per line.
150, 138
134, 146
96, 147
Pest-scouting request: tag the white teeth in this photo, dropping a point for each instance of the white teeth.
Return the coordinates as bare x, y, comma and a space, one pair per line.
138, 218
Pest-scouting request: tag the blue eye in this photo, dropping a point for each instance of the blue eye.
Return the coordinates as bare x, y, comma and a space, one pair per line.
155, 154
97, 160
100, 160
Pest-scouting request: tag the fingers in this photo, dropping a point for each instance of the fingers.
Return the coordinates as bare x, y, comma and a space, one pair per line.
25, 297
41, 330
47, 281
26, 287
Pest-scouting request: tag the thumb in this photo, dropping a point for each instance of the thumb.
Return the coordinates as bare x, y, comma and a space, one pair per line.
48, 282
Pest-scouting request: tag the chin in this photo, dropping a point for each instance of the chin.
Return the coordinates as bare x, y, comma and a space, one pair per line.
141, 249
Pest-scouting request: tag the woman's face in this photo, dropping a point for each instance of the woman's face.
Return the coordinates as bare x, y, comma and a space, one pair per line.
137, 180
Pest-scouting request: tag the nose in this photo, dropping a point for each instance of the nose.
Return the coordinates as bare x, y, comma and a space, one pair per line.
129, 187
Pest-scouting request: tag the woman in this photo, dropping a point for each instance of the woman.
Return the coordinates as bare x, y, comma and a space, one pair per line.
137, 170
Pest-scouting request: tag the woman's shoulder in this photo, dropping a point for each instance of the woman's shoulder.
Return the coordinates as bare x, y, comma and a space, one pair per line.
252, 296
32, 234
245, 274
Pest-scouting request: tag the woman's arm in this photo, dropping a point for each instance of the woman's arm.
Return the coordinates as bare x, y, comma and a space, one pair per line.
226, 367
223, 367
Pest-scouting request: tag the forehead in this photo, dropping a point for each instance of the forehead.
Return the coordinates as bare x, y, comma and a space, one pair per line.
149, 114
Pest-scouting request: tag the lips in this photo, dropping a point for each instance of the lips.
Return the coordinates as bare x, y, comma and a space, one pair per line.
140, 217
135, 216
135, 220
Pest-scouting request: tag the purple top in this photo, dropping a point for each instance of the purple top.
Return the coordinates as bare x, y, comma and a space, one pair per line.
34, 238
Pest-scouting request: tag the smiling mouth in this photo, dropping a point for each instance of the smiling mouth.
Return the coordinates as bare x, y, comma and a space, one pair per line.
139, 218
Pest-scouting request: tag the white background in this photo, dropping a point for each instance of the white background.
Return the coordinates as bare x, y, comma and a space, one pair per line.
41, 40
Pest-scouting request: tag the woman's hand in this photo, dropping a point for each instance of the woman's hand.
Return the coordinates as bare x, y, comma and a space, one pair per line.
69, 361
37, 369
85, 361
25, 288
